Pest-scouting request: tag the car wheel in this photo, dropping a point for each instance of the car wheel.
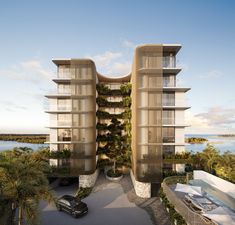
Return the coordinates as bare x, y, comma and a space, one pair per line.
74, 214
59, 207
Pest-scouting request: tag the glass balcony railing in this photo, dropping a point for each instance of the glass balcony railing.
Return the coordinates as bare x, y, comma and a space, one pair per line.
169, 62
151, 62
64, 91
55, 123
64, 74
168, 102
64, 138
169, 139
63, 107
178, 103
64, 123
58, 107
168, 121
169, 82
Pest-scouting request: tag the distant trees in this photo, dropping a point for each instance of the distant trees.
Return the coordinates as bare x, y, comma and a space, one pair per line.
196, 140
34, 139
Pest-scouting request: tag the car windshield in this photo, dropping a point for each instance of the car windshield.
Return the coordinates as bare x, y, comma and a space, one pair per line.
75, 202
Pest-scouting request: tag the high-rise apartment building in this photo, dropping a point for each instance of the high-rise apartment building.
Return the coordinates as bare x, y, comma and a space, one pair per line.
157, 108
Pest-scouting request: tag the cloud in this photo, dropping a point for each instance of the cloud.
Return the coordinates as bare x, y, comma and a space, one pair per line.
218, 116
211, 74
128, 44
109, 63
106, 58
12, 106
120, 68
215, 120
31, 64
31, 70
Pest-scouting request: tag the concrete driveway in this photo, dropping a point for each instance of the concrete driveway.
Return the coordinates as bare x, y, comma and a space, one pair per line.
108, 205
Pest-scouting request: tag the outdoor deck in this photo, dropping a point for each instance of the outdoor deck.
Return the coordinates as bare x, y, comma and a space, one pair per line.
191, 215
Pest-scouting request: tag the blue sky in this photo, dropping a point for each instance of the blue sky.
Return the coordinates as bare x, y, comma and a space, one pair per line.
33, 32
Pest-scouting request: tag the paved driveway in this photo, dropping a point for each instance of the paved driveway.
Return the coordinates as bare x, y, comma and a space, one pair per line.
108, 205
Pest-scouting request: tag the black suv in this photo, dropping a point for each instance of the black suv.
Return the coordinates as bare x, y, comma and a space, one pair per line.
72, 205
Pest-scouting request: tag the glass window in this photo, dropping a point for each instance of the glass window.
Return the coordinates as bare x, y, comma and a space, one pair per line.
168, 99
168, 149
168, 117
64, 104
169, 81
168, 134
64, 89
64, 134
64, 71
155, 99
64, 119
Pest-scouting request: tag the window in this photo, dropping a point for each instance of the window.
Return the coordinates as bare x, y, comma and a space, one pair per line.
168, 99
168, 81
64, 119
82, 72
150, 81
64, 71
64, 89
151, 61
168, 149
168, 117
64, 104
155, 99
168, 134
64, 134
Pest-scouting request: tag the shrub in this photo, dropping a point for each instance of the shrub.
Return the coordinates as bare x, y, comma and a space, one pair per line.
83, 192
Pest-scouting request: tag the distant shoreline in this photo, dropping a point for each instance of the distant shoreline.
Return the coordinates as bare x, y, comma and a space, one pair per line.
195, 140
25, 138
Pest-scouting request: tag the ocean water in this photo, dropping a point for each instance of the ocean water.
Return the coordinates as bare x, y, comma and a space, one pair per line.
222, 144
7, 145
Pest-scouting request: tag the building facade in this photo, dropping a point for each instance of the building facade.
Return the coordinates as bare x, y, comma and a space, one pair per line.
157, 113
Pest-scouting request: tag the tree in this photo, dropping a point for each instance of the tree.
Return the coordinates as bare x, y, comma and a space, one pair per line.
25, 183
226, 166
210, 157
115, 143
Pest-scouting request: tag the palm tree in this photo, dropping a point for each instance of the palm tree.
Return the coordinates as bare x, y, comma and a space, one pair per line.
25, 183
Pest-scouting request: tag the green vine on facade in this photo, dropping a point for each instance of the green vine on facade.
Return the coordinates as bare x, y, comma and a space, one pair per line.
114, 139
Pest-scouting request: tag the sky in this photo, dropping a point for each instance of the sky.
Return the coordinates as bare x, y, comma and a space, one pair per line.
107, 31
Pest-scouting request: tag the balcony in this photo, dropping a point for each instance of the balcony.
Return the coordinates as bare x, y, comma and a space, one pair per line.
168, 62
65, 74
168, 102
64, 138
156, 62
168, 121
169, 82
168, 139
